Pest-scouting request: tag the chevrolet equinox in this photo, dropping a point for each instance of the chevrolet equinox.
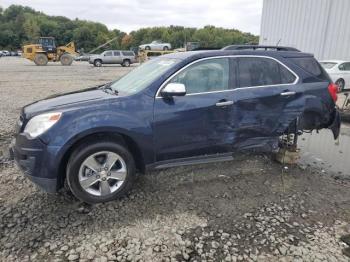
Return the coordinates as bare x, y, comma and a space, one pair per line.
178, 109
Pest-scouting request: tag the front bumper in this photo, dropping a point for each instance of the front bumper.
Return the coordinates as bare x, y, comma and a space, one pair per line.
32, 157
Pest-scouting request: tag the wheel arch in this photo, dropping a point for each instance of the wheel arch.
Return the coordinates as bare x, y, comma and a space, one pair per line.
114, 136
340, 78
344, 83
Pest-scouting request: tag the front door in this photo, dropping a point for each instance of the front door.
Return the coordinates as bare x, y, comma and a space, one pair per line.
108, 57
200, 122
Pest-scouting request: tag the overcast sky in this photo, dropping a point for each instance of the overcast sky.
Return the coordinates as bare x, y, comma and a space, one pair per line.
128, 15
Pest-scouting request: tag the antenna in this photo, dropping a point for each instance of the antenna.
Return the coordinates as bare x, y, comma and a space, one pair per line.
278, 42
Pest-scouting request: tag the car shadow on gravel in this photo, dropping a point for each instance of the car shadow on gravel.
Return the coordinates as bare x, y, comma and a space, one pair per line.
221, 194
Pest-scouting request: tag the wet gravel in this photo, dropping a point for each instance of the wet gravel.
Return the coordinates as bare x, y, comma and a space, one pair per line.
248, 209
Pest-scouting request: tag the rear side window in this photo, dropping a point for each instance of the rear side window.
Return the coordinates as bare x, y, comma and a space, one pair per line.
310, 65
258, 71
116, 53
128, 53
344, 67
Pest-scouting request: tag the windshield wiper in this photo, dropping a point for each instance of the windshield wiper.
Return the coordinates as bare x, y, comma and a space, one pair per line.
108, 87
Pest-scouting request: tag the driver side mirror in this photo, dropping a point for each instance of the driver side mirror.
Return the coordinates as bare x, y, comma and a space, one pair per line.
173, 89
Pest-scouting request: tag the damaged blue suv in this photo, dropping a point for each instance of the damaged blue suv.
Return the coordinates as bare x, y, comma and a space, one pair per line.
178, 109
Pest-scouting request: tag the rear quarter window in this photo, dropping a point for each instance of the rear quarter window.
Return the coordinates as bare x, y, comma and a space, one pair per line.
311, 66
128, 53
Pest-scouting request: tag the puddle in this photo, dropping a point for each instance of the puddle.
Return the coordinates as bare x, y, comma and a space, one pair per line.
320, 150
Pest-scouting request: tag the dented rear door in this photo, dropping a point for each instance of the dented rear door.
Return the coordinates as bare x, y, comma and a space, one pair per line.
267, 99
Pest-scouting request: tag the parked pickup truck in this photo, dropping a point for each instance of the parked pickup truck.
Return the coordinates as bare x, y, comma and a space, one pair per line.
124, 58
178, 109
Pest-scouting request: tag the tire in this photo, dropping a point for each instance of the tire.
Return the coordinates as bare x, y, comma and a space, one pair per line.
66, 59
41, 59
92, 187
126, 63
165, 48
147, 48
98, 63
341, 84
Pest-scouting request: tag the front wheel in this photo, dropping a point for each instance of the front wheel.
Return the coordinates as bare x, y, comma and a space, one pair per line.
100, 172
66, 59
165, 48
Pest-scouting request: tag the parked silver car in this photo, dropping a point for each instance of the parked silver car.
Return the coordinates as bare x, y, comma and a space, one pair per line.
156, 45
124, 58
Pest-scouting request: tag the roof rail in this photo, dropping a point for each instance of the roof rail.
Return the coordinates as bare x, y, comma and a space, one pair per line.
260, 47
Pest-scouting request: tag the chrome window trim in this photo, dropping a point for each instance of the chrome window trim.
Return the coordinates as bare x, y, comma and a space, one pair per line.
228, 56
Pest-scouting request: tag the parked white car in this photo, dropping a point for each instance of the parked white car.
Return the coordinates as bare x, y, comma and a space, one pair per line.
339, 71
5, 53
156, 46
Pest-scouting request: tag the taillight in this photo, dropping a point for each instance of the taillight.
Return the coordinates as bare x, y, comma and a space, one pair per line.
333, 90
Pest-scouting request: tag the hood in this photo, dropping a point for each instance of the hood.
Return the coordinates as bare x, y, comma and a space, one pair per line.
66, 100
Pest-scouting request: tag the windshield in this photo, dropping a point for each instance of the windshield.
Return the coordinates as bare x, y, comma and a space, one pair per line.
328, 65
139, 78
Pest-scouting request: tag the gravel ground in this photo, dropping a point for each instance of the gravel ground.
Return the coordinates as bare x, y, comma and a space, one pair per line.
249, 209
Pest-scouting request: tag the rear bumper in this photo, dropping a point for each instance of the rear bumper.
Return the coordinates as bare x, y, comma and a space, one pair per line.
33, 158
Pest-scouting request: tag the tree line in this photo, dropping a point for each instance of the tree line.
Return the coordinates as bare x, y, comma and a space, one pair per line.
21, 25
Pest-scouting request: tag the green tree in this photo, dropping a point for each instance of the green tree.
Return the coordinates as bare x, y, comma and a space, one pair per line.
20, 25
31, 28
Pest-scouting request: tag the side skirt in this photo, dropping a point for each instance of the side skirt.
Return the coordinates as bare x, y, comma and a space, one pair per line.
191, 161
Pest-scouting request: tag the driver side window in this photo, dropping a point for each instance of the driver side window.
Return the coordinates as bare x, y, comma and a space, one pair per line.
205, 76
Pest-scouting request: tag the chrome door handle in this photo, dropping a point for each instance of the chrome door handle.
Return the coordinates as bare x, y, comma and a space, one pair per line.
224, 103
288, 93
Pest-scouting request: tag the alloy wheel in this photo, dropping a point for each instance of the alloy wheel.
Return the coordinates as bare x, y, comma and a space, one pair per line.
102, 173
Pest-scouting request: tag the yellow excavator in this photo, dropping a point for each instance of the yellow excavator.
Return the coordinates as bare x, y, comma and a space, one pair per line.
45, 50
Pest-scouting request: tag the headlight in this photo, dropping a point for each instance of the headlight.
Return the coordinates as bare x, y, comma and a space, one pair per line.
41, 123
